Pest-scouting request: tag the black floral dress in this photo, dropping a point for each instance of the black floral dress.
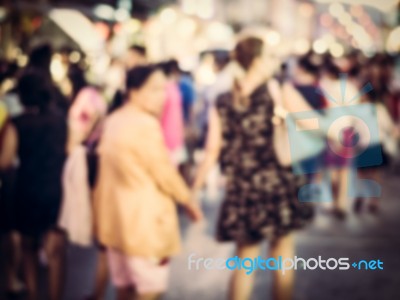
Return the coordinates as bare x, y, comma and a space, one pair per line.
261, 196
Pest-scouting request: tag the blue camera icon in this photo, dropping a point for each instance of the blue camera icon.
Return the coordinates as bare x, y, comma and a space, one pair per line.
348, 133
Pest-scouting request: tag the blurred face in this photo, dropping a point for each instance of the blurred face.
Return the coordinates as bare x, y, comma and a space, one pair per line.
151, 96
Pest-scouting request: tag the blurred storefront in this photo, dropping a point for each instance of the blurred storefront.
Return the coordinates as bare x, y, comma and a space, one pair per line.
100, 31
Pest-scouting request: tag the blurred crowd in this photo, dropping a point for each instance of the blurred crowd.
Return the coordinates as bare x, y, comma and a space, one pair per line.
108, 164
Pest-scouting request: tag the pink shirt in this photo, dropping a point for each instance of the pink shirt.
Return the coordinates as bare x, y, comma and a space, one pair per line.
87, 108
172, 118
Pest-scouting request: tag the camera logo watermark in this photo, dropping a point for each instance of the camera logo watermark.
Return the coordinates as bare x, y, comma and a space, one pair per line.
250, 265
349, 132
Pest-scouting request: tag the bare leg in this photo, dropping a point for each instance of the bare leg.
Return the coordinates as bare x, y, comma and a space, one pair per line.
375, 174
55, 247
241, 284
11, 246
334, 185
343, 189
333, 175
282, 286
339, 179
359, 200
30, 264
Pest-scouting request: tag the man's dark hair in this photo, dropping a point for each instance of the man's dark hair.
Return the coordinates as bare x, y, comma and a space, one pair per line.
40, 58
138, 76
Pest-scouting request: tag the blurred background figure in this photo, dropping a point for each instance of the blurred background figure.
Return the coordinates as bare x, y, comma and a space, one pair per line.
115, 79
188, 97
172, 117
87, 108
185, 85
338, 165
389, 133
85, 119
225, 71
41, 137
306, 82
40, 60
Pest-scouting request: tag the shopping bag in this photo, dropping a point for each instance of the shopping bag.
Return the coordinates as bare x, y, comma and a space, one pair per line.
76, 210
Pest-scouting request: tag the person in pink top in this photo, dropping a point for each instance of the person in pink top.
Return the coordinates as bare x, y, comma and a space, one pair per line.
172, 118
87, 109
85, 116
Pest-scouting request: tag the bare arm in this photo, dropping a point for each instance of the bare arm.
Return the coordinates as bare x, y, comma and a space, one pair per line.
386, 122
213, 146
8, 152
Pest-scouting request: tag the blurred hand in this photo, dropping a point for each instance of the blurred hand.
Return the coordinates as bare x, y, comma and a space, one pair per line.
194, 211
396, 133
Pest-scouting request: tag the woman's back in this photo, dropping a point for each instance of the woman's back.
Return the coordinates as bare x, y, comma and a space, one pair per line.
261, 195
247, 132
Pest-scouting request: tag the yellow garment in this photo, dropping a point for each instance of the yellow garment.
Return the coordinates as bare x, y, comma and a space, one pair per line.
3, 114
136, 187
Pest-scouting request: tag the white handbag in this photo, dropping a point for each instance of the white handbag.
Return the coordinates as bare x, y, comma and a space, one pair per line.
76, 210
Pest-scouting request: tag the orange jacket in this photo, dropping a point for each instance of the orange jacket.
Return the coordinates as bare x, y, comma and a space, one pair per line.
137, 186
